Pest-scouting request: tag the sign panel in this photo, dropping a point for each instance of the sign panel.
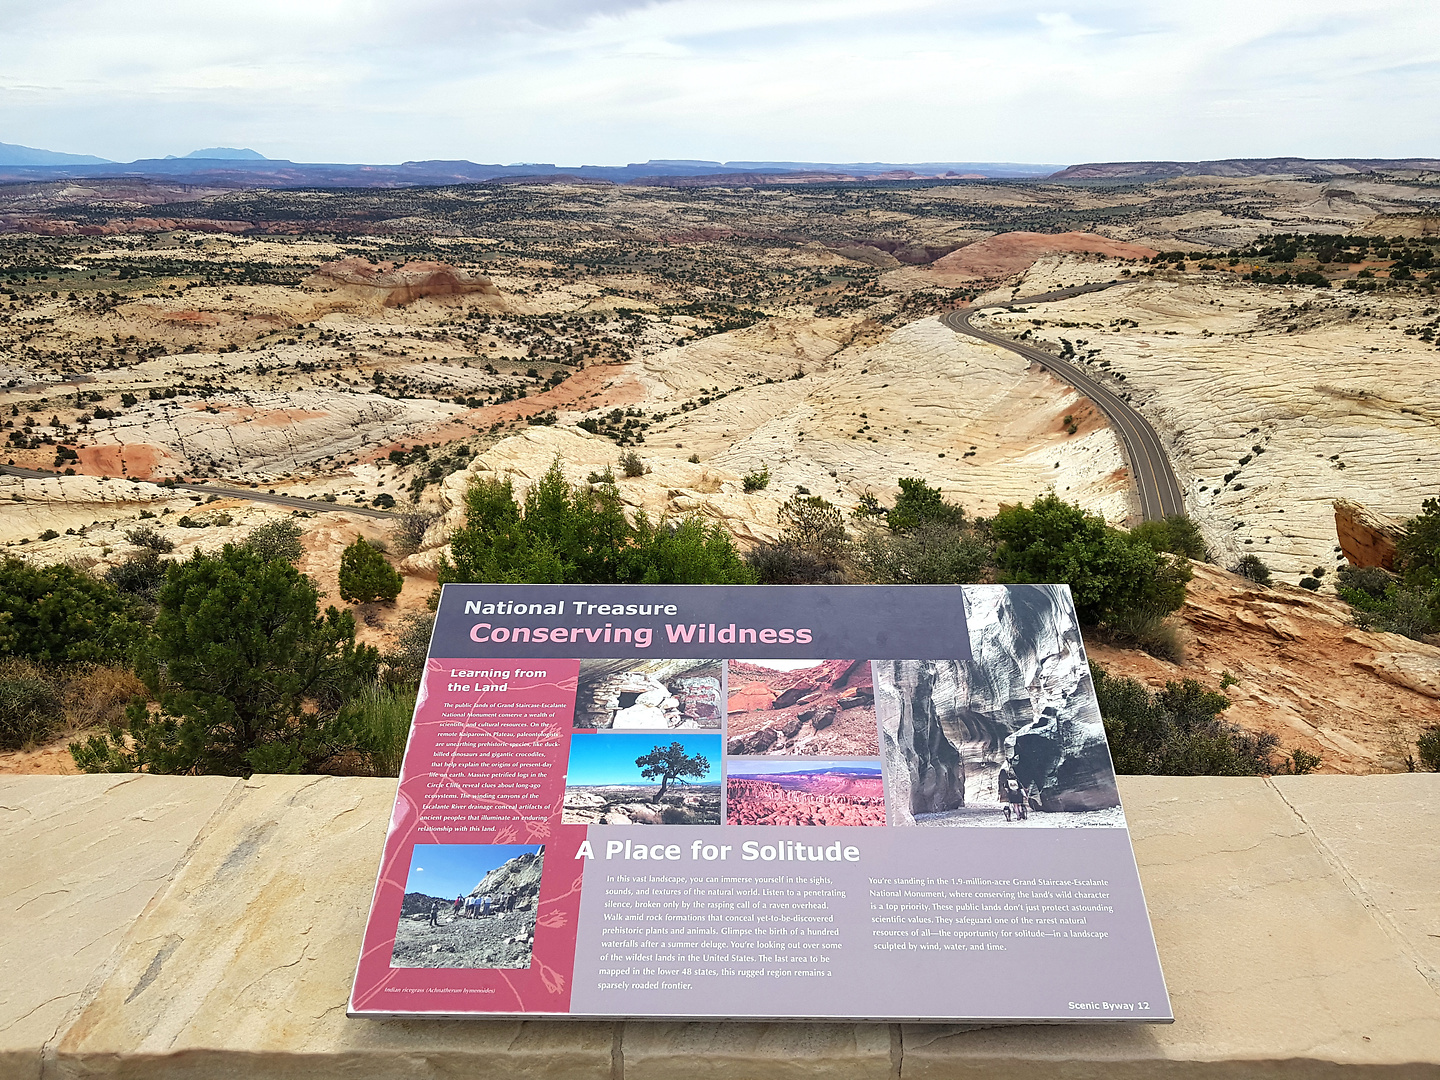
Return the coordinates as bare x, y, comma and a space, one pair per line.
759, 802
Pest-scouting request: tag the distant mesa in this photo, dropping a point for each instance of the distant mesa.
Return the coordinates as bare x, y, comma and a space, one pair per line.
394, 286
227, 153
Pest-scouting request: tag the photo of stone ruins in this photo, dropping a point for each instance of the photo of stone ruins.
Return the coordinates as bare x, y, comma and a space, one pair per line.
650, 694
1216, 378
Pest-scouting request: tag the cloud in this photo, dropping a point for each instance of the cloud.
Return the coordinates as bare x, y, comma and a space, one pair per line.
608, 81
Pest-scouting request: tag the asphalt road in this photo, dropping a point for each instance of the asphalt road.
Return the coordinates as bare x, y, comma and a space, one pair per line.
1150, 466
227, 492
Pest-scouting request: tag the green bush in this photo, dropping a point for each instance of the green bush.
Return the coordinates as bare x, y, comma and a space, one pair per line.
1252, 568
405, 663
631, 465
247, 671
278, 539
29, 705
932, 553
1427, 746
755, 481
1176, 534
920, 504
572, 535
1108, 571
147, 536
375, 723
1177, 732
366, 575
140, 575
62, 614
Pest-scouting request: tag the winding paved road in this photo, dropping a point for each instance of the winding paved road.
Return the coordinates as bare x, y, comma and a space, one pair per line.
227, 492
1159, 491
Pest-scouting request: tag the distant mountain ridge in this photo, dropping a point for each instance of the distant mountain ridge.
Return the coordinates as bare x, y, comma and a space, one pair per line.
13, 154
245, 168
1236, 167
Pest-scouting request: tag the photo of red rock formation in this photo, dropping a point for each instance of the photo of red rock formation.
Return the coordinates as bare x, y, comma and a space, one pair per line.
823, 707
843, 792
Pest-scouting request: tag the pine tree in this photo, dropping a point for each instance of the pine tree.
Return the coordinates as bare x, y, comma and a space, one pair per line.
366, 575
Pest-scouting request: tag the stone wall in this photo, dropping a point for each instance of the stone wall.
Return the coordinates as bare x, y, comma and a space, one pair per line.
166, 927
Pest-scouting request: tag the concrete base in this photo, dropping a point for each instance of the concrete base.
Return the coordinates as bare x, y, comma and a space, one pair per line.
164, 927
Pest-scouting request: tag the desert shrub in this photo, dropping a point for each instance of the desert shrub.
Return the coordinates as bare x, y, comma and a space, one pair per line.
96, 695
30, 705
1311, 583
676, 815
1176, 732
1300, 763
1403, 610
813, 524
1150, 631
685, 552
405, 663
572, 535
141, 574
278, 539
811, 547
920, 504
147, 536
1427, 748
631, 465
62, 614
755, 481
408, 528
366, 575
1252, 568
933, 553
782, 563
248, 674
374, 725
1176, 534
1408, 603
1108, 571
1373, 581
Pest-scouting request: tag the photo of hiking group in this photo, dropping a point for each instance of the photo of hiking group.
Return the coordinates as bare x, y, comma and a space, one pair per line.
469, 906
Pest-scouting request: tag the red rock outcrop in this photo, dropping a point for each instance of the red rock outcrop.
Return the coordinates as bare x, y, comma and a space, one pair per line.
1366, 538
395, 286
1009, 253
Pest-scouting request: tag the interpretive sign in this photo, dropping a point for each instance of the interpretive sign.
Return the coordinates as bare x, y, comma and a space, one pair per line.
759, 802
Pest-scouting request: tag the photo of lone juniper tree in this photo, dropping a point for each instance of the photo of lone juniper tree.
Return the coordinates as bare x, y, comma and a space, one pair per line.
672, 763
625, 778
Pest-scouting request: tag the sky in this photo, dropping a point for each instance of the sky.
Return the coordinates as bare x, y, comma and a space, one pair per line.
451, 870
609, 758
608, 82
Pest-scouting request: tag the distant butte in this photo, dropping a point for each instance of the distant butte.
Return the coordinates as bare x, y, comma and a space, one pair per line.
395, 286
